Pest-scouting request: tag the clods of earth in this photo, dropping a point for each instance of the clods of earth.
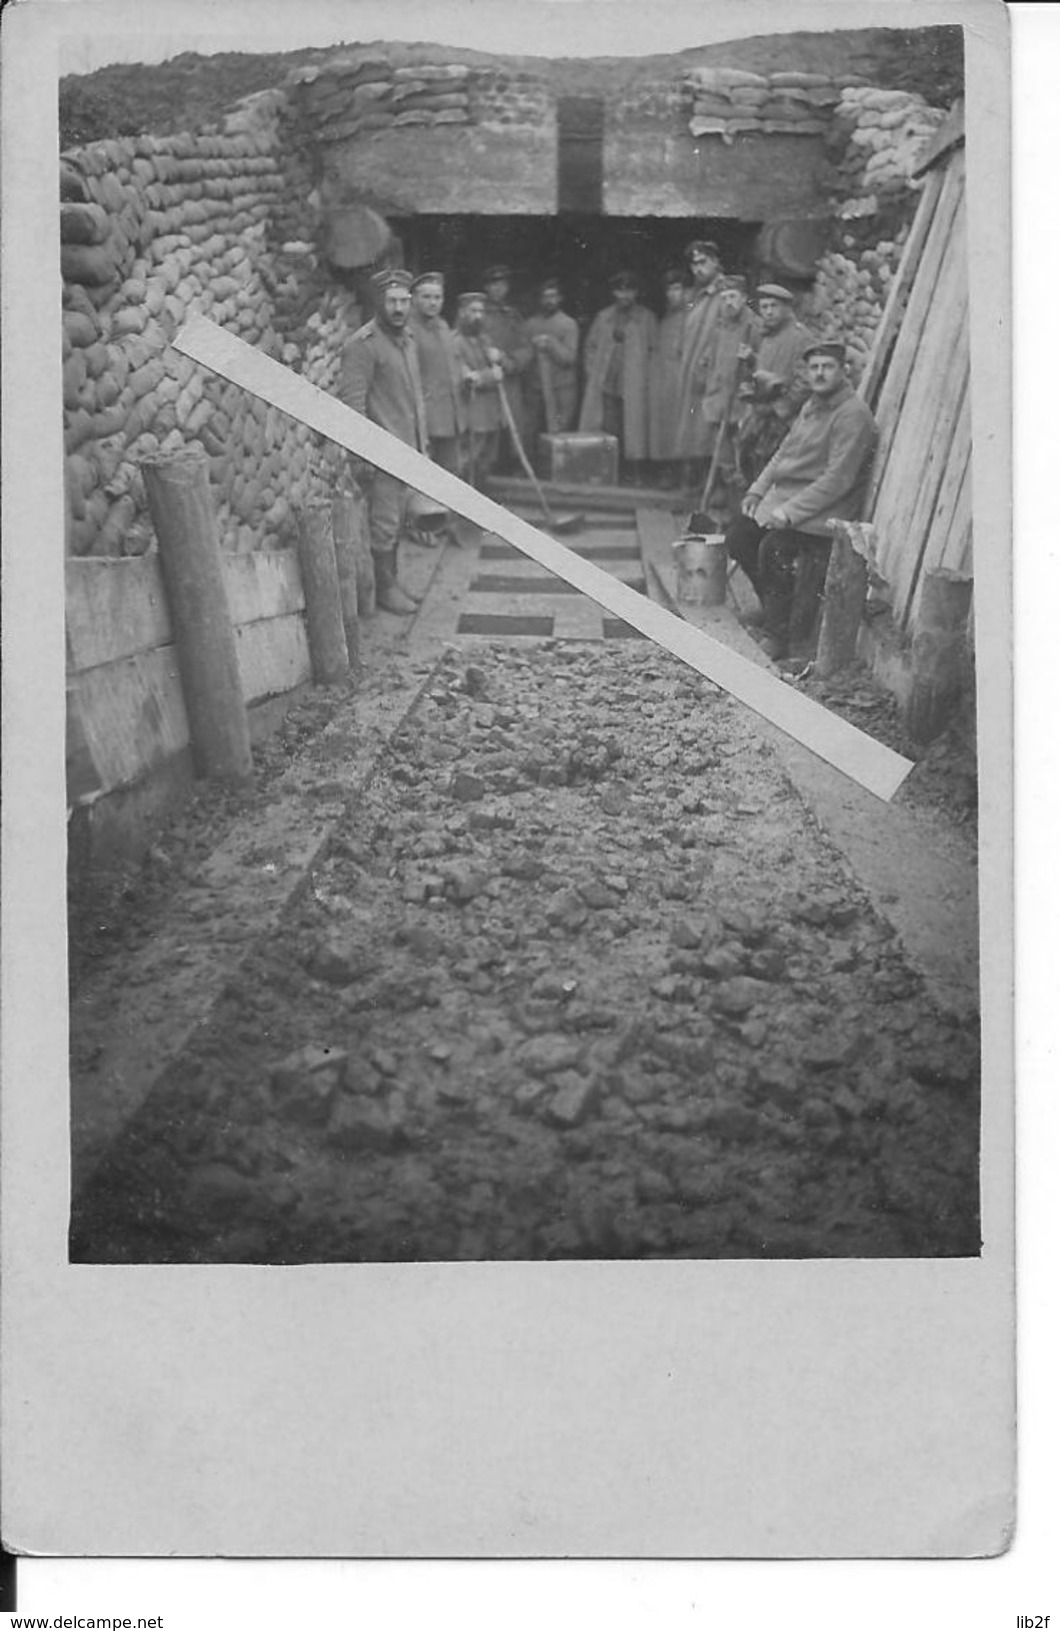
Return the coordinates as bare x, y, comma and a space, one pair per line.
577, 976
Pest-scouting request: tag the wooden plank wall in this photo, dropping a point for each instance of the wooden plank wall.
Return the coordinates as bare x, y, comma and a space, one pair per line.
123, 681
917, 383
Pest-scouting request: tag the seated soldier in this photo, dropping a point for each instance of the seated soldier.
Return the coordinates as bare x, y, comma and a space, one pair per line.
818, 472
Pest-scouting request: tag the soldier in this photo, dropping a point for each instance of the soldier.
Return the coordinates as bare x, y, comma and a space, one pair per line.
506, 331
380, 378
704, 259
481, 372
443, 399
818, 473
726, 360
664, 429
618, 354
552, 377
776, 392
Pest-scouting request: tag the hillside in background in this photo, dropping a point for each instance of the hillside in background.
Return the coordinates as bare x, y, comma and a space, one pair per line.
190, 91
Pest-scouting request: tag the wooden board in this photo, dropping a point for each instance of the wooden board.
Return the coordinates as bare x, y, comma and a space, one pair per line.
904, 511
857, 755
898, 293
273, 656
132, 714
114, 608
922, 305
563, 495
262, 583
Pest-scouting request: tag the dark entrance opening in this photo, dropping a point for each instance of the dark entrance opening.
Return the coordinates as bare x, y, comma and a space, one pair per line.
581, 249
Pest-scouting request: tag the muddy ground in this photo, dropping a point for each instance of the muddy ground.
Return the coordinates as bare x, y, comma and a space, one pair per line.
577, 974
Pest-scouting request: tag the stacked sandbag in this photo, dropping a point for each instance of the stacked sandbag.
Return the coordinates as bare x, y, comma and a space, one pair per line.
877, 138
361, 93
849, 295
156, 230
731, 102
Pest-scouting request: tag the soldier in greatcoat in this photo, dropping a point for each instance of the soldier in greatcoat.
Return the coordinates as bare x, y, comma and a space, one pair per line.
380, 378
506, 331
704, 260
664, 425
554, 370
777, 390
618, 357
481, 373
443, 398
726, 363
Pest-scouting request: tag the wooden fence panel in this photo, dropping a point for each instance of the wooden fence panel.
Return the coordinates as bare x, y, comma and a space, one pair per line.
132, 714
923, 302
263, 583
123, 675
273, 656
114, 608
906, 510
900, 289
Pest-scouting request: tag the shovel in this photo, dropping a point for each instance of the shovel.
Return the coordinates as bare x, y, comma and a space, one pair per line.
555, 523
704, 520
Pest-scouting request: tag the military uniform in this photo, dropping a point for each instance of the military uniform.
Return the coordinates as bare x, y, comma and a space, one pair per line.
380, 378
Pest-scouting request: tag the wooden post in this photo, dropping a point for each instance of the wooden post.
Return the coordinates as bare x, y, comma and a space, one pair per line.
323, 604
940, 653
178, 496
344, 530
362, 550
845, 587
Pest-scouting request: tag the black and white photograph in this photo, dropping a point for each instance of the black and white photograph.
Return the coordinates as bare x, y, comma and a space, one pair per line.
421, 907
510, 1047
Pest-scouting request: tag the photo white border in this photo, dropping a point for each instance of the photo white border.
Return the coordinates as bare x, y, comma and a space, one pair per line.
735, 1409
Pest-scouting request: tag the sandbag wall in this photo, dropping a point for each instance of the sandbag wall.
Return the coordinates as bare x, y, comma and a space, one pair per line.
731, 102
156, 229
362, 93
877, 137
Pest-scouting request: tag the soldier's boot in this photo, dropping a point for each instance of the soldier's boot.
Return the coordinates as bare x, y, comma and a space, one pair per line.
389, 595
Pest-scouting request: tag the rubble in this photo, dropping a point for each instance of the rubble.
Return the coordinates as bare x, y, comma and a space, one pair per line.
614, 1065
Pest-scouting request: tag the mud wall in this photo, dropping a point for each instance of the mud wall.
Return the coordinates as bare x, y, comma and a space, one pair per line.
156, 229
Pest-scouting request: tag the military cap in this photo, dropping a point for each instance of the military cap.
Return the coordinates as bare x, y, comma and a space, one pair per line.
428, 277
673, 276
493, 274
550, 283
826, 348
704, 246
735, 281
773, 291
624, 279
468, 296
391, 277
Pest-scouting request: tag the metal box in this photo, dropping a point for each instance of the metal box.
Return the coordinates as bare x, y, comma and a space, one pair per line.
587, 457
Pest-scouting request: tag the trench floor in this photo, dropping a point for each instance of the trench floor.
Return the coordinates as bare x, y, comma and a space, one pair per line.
574, 971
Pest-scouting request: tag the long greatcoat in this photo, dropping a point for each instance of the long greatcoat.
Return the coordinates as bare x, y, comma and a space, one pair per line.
719, 366
443, 399
504, 328
638, 348
562, 355
702, 315
664, 431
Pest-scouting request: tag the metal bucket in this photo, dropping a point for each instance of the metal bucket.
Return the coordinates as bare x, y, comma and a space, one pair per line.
702, 569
